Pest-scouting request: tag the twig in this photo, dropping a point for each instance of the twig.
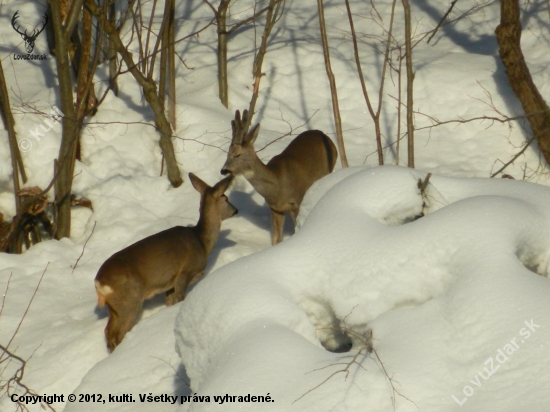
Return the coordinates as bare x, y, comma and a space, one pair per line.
423, 184
527, 144
5, 293
84, 247
288, 133
364, 349
26, 310
442, 20
390, 380
7, 355
174, 369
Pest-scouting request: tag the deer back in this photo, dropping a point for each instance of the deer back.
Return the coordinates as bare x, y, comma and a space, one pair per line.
308, 158
152, 264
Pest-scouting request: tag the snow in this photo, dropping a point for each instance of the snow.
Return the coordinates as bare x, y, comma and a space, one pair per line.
429, 282
444, 295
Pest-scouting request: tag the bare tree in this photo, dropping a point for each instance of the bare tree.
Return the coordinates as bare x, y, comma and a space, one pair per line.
112, 55
274, 12
221, 22
509, 40
410, 80
149, 87
333, 90
224, 33
67, 151
167, 78
375, 114
18, 169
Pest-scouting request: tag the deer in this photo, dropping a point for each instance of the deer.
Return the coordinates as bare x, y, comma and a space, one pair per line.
168, 261
285, 179
29, 38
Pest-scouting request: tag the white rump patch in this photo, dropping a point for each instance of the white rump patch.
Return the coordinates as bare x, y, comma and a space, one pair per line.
103, 289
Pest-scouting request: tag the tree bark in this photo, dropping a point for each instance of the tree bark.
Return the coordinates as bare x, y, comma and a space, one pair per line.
410, 81
113, 69
221, 19
150, 93
509, 40
167, 78
333, 90
171, 107
16, 160
274, 10
66, 159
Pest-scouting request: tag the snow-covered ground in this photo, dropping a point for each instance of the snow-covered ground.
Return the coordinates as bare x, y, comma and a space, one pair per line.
457, 301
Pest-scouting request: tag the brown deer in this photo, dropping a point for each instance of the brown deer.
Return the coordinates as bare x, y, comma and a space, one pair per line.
168, 261
285, 179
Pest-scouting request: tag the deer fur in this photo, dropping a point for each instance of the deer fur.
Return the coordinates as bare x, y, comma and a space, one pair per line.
168, 261
285, 179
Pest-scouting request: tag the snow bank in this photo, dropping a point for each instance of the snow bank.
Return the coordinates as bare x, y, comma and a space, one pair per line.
454, 305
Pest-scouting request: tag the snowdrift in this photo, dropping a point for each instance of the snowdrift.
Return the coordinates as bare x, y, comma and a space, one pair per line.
457, 307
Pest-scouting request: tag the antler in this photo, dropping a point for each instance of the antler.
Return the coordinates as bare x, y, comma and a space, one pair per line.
15, 16
34, 33
239, 126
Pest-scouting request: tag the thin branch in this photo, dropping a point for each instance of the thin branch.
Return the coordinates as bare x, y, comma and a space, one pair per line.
390, 380
25, 313
442, 20
527, 144
288, 133
84, 247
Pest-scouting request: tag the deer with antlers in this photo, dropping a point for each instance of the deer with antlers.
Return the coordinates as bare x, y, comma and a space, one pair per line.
29, 38
285, 179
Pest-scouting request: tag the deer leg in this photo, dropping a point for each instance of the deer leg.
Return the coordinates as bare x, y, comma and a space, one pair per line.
277, 223
170, 297
176, 296
180, 287
121, 320
294, 214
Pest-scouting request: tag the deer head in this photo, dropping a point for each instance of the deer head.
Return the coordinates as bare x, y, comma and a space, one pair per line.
29, 38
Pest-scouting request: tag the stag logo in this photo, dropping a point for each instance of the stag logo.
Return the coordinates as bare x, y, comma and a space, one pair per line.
29, 38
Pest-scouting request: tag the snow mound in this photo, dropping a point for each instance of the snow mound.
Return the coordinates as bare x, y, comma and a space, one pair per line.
458, 314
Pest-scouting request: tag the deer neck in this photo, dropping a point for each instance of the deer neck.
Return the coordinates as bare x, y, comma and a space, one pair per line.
263, 179
207, 230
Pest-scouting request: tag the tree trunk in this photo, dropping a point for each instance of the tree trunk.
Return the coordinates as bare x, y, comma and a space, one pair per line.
509, 40
273, 14
221, 18
171, 107
66, 159
333, 90
113, 69
410, 81
150, 93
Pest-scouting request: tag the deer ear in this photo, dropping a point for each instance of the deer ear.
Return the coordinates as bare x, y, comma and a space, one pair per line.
252, 135
222, 185
198, 184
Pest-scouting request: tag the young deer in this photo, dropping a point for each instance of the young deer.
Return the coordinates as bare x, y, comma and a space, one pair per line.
285, 179
168, 261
